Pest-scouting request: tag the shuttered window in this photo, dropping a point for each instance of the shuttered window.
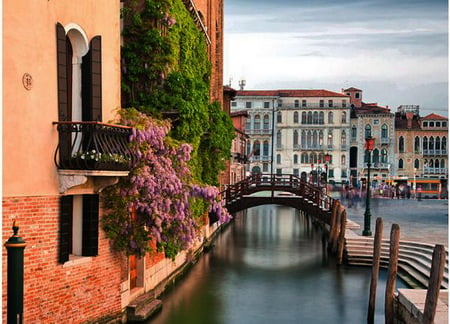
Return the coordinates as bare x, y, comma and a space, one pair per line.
69, 216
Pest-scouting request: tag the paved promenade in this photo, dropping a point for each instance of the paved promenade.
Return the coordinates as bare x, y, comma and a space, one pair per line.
422, 221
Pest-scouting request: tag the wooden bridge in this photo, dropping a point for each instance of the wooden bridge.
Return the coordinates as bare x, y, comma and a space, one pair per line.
292, 191
285, 189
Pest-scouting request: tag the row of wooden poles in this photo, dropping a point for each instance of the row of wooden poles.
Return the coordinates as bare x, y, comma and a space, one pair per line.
336, 245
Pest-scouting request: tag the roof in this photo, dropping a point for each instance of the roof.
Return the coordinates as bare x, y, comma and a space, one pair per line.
371, 108
352, 89
239, 113
433, 116
290, 93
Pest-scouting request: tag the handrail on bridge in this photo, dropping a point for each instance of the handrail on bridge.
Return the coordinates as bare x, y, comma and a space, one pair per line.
278, 182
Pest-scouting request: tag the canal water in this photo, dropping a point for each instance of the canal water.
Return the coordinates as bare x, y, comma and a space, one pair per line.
271, 266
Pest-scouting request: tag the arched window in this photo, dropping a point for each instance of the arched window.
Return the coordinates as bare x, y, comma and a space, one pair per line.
400, 163
257, 122
315, 118
384, 156
376, 156
416, 164
330, 138
266, 122
310, 117
425, 144
279, 139
438, 144
315, 139
444, 144
313, 158
431, 144
384, 132
309, 139
330, 117
295, 158
295, 117
279, 117
442, 165
295, 138
368, 131
343, 138
249, 148
320, 138
257, 148
304, 157
436, 163
304, 120
303, 139
401, 144
344, 117
343, 159
417, 144
354, 132
321, 118
266, 148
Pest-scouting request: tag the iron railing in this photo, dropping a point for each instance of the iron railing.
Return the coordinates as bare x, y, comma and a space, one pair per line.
93, 146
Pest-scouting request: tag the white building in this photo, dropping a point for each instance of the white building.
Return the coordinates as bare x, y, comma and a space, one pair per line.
291, 131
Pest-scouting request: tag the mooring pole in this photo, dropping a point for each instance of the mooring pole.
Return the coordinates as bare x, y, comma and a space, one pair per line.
15, 247
389, 314
434, 285
375, 269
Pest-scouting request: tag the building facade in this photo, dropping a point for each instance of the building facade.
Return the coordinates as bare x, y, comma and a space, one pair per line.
370, 119
421, 150
291, 132
54, 110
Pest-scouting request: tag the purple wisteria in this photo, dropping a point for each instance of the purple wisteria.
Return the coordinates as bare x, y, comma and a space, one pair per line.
160, 192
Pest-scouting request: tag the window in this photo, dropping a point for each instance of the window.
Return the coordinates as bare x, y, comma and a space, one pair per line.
310, 118
295, 139
257, 122
296, 172
266, 122
257, 148
280, 103
354, 132
444, 124
330, 139
321, 117
401, 144
248, 104
376, 122
321, 104
279, 139
304, 157
330, 117
368, 131
78, 226
330, 103
248, 124
384, 156
233, 104
416, 164
384, 131
295, 158
438, 124
304, 103
344, 117
278, 159
279, 119
357, 95
417, 144
266, 148
315, 118
304, 117
265, 167
425, 124
400, 163
376, 156
344, 103
266, 104
296, 103
343, 138
343, 159
431, 124
295, 117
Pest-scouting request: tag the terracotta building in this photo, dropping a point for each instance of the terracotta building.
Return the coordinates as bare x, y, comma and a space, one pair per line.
61, 85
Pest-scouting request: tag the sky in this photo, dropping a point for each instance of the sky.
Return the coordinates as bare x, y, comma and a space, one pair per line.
395, 51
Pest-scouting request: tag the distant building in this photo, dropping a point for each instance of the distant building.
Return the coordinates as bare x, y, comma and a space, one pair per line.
421, 148
291, 131
370, 119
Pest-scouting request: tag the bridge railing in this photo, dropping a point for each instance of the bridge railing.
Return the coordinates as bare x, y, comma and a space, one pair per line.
278, 182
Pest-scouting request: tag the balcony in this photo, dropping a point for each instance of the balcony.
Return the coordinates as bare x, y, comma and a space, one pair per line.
431, 170
92, 150
93, 146
434, 152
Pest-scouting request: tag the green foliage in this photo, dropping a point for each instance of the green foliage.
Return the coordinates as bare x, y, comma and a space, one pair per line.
166, 72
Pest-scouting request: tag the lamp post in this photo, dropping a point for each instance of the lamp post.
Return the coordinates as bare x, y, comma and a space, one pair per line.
327, 158
370, 143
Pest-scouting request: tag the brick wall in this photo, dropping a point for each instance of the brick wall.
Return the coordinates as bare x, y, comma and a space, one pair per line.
53, 293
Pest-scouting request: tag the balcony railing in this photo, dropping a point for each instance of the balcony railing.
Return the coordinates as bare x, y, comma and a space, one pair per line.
431, 170
93, 146
435, 152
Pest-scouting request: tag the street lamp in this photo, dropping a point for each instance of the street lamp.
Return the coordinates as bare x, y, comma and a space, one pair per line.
370, 143
327, 158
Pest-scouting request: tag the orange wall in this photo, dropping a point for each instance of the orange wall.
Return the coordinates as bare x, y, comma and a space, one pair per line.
29, 46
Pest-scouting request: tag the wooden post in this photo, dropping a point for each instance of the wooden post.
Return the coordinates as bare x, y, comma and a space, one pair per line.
333, 224
339, 214
375, 269
434, 284
389, 314
341, 242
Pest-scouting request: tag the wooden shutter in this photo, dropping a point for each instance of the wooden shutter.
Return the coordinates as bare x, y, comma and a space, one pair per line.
90, 225
65, 227
92, 81
63, 67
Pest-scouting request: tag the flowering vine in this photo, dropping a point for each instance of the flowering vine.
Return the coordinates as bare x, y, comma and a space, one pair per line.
158, 199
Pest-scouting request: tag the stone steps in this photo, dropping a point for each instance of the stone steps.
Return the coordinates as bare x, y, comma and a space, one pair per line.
143, 307
414, 262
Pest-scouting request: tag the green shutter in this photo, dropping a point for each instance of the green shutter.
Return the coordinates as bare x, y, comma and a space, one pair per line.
90, 225
65, 227
92, 81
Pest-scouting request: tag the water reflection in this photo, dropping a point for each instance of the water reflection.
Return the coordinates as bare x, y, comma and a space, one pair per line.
270, 266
